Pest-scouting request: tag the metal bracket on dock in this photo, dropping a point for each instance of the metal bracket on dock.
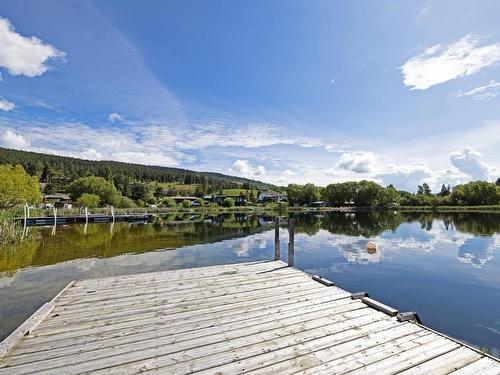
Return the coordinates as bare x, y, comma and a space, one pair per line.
322, 280
380, 306
409, 315
359, 295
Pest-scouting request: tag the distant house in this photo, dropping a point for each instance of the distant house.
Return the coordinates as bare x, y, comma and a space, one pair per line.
272, 196
56, 198
67, 206
239, 200
180, 199
218, 198
318, 204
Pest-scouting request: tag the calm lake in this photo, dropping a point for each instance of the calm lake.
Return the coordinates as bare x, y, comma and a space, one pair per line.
446, 267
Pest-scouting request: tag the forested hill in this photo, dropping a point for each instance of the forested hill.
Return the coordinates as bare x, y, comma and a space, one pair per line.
71, 168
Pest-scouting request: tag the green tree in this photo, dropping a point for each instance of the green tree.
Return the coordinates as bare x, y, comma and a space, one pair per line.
199, 191
169, 202
302, 194
94, 185
387, 198
426, 189
497, 182
366, 193
476, 193
294, 193
122, 183
125, 202
17, 187
108, 174
140, 190
228, 202
186, 204
339, 194
88, 200
310, 193
49, 188
445, 190
158, 192
47, 173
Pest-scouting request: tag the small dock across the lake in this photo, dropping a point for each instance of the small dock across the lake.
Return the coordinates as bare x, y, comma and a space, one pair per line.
259, 318
82, 219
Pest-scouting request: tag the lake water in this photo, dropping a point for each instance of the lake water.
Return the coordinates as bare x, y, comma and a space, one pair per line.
446, 267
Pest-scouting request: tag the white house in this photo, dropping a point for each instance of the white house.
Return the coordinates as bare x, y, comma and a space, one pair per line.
271, 196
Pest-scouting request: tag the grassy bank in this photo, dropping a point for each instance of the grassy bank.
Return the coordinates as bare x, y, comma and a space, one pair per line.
10, 231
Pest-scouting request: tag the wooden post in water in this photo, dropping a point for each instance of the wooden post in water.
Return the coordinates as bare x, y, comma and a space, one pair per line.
277, 254
113, 213
86, 220
291, 242
25, 220
55, 222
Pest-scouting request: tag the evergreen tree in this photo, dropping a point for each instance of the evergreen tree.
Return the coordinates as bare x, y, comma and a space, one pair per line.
426, 189
445, 190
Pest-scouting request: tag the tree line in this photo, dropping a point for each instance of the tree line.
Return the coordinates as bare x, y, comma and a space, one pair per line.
370, 194
59, 171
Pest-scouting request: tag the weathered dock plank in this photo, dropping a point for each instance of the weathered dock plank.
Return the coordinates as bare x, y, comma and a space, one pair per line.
259, 318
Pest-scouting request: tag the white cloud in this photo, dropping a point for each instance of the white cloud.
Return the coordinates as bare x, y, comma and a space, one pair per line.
289, 173
406, 178
13, 140
115, 117
469, 162
251, 135
331, 147
440, 63
358, 162
5, 105
485, 92
148, 158
91, 154
244, 168
24, 56
261, 170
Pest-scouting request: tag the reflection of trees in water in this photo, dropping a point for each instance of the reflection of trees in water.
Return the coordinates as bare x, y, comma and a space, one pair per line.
174, 231
482, 224
17, 256
366, 224
71, 242
467, 222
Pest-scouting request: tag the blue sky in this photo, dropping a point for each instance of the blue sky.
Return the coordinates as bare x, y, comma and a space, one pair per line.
280, 91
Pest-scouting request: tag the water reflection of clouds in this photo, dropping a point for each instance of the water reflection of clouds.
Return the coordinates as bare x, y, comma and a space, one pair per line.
354, 250
470, 249
242, 246
476, 251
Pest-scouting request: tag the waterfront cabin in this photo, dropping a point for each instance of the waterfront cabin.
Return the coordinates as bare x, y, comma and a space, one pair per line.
318, 204
180, 199
239, 200
271, 196
53, 198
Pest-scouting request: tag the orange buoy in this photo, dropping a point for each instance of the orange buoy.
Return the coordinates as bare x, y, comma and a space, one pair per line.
371, 247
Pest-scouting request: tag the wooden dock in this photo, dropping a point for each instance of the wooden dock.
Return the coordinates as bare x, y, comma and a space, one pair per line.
258, 318
81, 219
